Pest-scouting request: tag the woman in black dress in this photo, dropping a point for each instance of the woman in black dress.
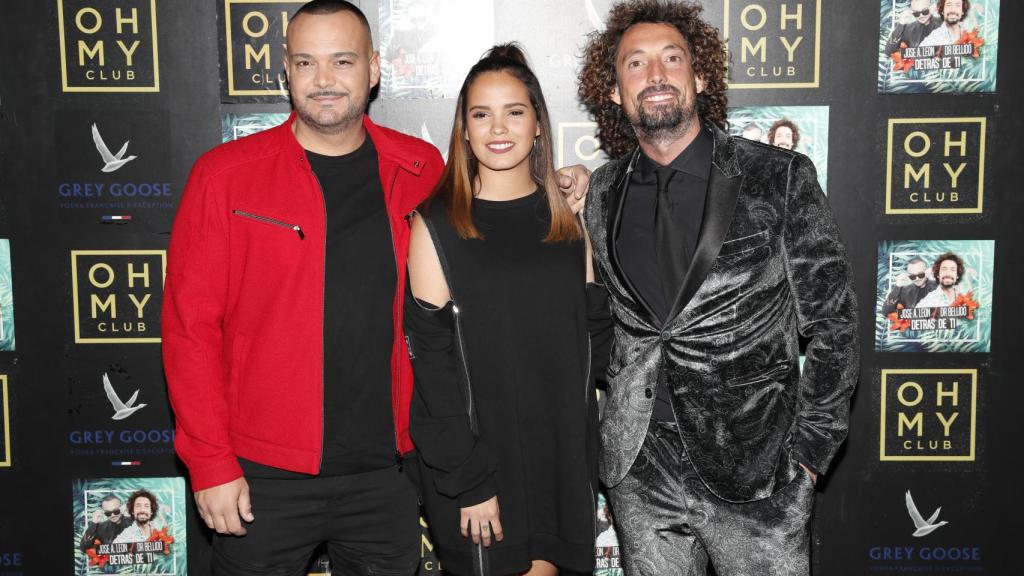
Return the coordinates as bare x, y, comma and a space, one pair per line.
504, 411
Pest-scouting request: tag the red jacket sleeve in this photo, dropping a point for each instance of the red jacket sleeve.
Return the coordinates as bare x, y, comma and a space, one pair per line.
193, 340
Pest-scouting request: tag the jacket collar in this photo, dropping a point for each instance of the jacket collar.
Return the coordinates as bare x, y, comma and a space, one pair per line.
719, 206
720, 203
390, 150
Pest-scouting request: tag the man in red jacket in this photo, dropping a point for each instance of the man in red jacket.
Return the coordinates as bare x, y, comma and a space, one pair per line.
283, 304
282, 320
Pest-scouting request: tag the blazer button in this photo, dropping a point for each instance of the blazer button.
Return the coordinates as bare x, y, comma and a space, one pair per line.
648, 393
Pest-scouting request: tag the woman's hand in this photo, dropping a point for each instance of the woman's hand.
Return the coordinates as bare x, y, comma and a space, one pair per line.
481, 521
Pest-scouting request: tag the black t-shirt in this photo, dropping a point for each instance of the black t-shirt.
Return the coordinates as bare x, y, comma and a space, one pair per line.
359, 289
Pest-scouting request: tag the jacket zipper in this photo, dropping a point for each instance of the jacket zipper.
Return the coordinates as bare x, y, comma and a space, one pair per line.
274, 221
586, 403
398, 362
323, 316
465, 369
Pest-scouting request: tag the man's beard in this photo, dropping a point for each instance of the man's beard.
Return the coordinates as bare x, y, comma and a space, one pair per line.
667, 122
947, 281
332, 121
953, 19
142, 519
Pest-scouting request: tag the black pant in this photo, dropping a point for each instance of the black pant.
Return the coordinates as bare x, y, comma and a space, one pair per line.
668, 522
369, 521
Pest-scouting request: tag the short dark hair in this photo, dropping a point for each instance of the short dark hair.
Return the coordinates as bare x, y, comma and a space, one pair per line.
788, 124
323, 7
960, 267
153, 506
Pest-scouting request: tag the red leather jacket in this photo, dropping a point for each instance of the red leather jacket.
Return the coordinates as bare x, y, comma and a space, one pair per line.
242, 320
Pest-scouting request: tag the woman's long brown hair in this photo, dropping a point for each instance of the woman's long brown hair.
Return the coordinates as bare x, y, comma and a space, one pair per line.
455, 190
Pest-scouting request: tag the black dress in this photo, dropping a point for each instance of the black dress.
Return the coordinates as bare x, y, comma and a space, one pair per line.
524, 428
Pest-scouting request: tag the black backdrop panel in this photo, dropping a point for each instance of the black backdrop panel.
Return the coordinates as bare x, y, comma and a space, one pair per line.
105, 105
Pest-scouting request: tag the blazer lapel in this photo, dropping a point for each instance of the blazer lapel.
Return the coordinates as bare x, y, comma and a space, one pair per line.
616, 200
719, 206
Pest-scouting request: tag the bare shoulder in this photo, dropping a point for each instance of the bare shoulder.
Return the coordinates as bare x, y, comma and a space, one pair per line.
426, 277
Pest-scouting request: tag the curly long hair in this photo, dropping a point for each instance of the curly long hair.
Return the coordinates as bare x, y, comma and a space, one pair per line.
597, 76
942, 7
153, 506
784, 122
961, 268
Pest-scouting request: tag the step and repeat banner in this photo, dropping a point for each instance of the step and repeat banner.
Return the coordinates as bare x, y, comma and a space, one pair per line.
909, 109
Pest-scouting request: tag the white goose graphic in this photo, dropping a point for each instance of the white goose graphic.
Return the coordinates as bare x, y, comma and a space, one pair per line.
924, 527
111, 162
122, 410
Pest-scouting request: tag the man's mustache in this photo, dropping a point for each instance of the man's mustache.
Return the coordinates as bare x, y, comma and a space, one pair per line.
326, 93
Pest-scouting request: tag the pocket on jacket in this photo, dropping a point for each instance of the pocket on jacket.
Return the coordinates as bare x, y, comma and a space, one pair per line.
261, 218
773, 371
622, 357
738, 248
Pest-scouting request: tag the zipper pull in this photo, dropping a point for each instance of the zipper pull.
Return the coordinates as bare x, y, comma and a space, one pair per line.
297, 228
408, 345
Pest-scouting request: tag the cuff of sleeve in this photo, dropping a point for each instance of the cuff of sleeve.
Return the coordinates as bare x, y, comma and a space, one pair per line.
801, 457
215, 474
479, 494
808, 466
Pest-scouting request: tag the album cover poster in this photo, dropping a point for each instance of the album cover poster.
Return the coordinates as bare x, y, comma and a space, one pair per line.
933, 46
129, 526
6, 298
606, 547
934, 296
428, 46
235, 126
800, 128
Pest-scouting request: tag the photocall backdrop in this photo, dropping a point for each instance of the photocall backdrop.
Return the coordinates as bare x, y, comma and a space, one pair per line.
105, 105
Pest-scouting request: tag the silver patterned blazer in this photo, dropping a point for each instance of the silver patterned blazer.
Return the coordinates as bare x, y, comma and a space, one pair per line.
769, 269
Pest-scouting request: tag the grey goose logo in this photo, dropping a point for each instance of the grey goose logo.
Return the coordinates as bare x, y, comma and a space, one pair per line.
923, 527
122, 410
111, 162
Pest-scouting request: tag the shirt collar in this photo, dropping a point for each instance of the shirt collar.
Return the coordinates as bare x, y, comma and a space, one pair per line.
695, 159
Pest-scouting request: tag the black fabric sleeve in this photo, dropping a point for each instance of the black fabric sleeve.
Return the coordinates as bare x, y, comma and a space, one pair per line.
821, 280
462, 466
895, 39
599, 325
88, 538
889, 306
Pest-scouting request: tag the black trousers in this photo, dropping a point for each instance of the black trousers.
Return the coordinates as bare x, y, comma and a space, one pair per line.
669, 523
369, 521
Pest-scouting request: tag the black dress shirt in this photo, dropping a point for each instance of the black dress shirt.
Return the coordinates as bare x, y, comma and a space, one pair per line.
637, 243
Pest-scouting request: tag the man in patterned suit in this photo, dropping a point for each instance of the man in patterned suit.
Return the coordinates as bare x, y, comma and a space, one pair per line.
719, 253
